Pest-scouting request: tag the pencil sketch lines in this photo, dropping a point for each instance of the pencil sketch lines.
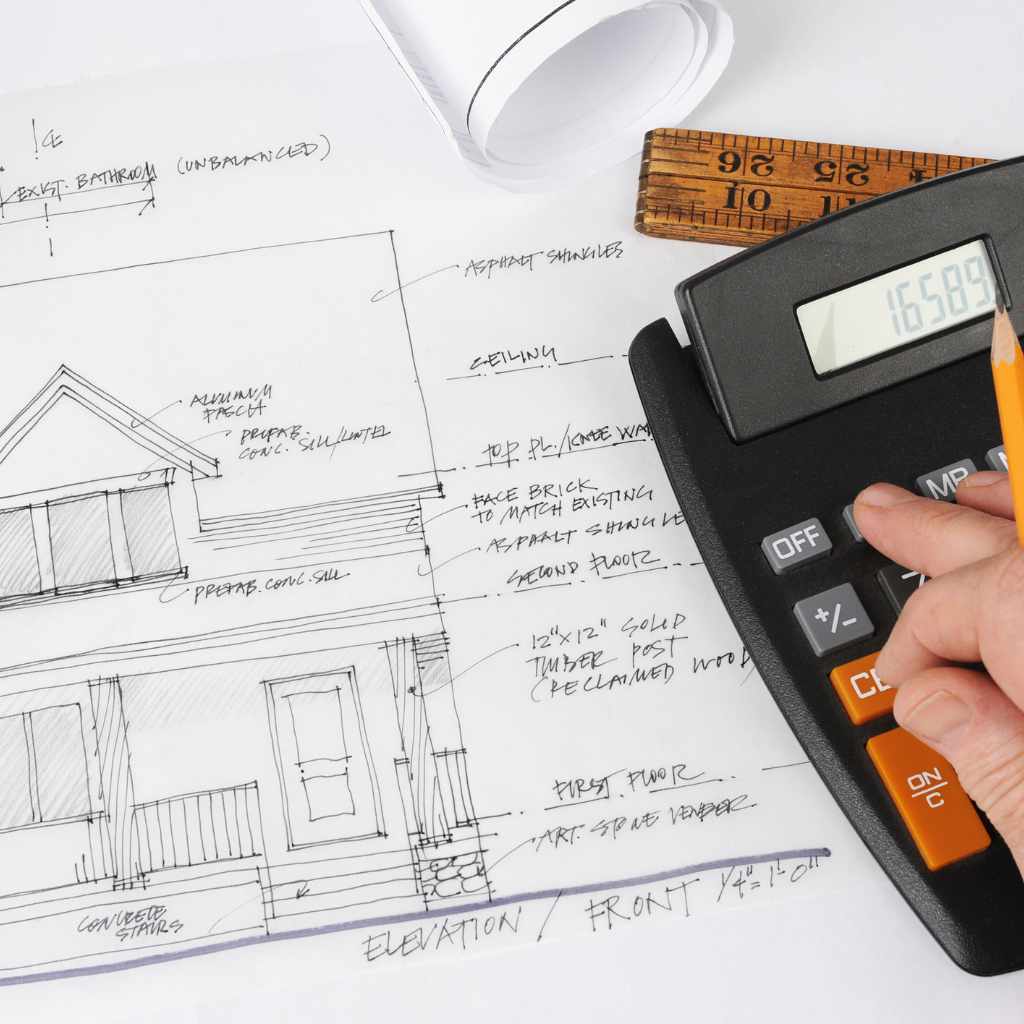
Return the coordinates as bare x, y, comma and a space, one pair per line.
66, 384
198, 828
270, 741
61, 535
246, 857
371, 525
56, 197
43, 776
444, 834
88, 542
118, 839
328, 783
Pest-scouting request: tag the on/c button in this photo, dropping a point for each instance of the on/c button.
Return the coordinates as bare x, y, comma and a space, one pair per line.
929, 797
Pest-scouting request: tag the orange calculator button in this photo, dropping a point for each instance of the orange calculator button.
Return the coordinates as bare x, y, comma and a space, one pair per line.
939, 814
863, 694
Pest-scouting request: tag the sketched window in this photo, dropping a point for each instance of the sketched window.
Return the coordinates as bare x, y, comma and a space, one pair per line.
82, 543
43, 774
328, 785
149, 531
19, 566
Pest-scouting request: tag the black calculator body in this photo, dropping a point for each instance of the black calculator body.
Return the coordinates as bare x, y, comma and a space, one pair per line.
758, 447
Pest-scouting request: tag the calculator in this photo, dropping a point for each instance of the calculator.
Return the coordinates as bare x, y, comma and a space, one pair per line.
850, 350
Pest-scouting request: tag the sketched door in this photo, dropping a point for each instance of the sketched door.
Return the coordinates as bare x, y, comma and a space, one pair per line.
328, 784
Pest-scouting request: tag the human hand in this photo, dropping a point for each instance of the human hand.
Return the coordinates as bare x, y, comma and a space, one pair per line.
972, 610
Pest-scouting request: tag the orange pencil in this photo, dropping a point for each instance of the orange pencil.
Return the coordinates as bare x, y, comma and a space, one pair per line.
1008, 373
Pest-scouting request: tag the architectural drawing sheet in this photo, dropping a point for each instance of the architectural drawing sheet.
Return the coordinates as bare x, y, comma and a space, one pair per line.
341, 589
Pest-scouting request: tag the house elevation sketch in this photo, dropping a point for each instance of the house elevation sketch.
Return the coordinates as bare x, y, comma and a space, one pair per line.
345, 785
343, 599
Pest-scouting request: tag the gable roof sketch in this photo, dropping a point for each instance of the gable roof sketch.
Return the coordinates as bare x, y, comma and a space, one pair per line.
65, 383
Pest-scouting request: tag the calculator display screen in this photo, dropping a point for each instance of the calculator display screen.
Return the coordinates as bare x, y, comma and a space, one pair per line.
898, 307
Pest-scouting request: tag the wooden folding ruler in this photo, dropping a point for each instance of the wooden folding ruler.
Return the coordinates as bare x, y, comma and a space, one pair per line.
742, 189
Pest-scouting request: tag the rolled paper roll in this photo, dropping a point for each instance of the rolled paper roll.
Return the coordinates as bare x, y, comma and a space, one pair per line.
537, 94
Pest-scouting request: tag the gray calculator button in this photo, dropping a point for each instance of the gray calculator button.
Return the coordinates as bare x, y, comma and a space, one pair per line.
798, 545
833, 619
941, 483
899, 583
852, 524
995, 458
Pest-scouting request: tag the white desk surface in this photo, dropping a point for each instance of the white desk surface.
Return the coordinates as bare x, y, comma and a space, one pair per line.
940, 76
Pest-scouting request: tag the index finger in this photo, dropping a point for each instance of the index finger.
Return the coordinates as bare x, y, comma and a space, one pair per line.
988, 492
933, 537
970, 615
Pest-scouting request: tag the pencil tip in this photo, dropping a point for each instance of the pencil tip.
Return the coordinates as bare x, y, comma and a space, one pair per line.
1000, 306
1004, 337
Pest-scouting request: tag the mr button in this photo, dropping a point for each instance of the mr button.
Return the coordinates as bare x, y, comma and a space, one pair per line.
942, 483
800, 544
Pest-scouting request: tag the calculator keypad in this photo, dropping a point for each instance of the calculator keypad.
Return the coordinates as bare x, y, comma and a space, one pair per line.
929, 797
938, 813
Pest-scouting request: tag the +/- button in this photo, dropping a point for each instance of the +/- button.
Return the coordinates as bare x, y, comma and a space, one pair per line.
832, 619
863, 694
939, 814
798, 545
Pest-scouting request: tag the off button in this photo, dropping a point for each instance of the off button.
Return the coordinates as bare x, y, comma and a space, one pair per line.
800, 544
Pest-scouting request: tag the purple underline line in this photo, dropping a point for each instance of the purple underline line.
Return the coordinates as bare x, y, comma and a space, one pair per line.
420, 915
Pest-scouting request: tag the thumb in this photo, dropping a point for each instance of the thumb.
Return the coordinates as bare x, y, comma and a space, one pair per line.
964, 716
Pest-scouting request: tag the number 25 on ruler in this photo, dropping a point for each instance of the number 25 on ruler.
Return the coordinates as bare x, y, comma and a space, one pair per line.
762, 165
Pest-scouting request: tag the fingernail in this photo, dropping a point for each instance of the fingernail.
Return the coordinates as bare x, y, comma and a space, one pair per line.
984, 478
941, 717
884, 495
